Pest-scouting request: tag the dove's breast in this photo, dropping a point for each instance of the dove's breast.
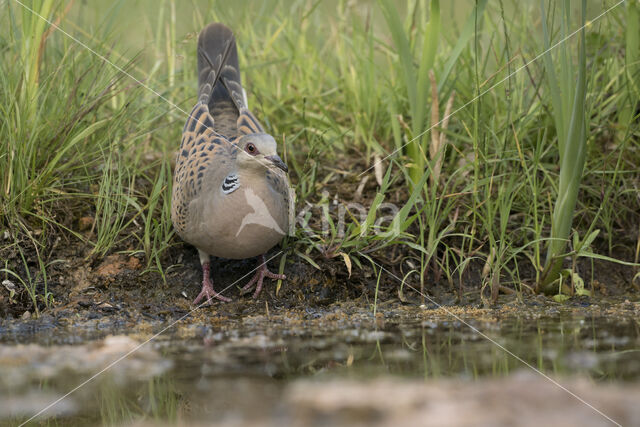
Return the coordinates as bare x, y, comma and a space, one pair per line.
242, 224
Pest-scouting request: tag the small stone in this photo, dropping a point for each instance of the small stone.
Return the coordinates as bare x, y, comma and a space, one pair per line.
85, 223
9, 285
26, 315
116, 264
107, 307
134, 263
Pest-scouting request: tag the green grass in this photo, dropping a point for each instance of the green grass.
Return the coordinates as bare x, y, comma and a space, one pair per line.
344, 84
568, 97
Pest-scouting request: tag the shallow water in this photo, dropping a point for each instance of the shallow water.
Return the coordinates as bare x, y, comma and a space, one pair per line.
273, 369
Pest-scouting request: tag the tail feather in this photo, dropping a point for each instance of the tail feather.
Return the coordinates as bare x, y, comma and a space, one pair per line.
217, 52
209, 75
219, 84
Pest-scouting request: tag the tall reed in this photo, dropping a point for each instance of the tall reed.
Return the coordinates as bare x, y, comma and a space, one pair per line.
568, 98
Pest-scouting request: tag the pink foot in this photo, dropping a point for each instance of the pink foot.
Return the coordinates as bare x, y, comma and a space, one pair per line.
258, 278
207, 288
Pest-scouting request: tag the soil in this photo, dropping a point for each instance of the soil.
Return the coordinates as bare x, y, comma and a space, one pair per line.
117, 291
320, 350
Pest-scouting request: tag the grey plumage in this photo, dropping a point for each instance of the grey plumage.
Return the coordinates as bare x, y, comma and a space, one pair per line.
225, 163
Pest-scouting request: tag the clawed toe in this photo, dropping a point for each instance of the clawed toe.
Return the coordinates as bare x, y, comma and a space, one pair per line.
275, 275
207, 289
258, 278
208, 295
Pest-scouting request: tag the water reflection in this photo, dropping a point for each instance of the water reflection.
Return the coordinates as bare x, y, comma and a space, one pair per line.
237, 371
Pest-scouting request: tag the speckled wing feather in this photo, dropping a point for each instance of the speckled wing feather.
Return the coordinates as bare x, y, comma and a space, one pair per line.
200, 147
203, 141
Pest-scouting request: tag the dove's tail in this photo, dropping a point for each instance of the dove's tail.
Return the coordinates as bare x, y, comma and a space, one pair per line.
219, 84
217, 60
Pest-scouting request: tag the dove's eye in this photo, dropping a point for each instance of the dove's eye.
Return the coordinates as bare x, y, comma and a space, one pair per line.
251, 149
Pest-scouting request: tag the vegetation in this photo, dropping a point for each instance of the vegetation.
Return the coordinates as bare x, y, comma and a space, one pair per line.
502, 154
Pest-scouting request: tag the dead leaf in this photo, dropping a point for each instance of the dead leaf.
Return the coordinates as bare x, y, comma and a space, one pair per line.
347, 262
377, 168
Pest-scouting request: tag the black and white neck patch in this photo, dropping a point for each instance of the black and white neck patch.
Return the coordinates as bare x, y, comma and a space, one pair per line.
230, 183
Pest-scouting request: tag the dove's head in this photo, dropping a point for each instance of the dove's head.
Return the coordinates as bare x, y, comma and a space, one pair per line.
258, 151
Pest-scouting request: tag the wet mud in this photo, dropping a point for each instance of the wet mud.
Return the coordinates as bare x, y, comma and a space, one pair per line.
322, 350
339, 364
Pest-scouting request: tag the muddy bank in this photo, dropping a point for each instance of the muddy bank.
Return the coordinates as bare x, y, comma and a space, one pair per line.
288, 356
97, 314
120, 287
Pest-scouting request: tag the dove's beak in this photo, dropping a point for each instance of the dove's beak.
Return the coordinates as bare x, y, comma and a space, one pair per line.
277, 161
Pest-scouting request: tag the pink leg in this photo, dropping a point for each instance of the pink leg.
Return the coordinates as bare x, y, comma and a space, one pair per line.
258, 278
207, 288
